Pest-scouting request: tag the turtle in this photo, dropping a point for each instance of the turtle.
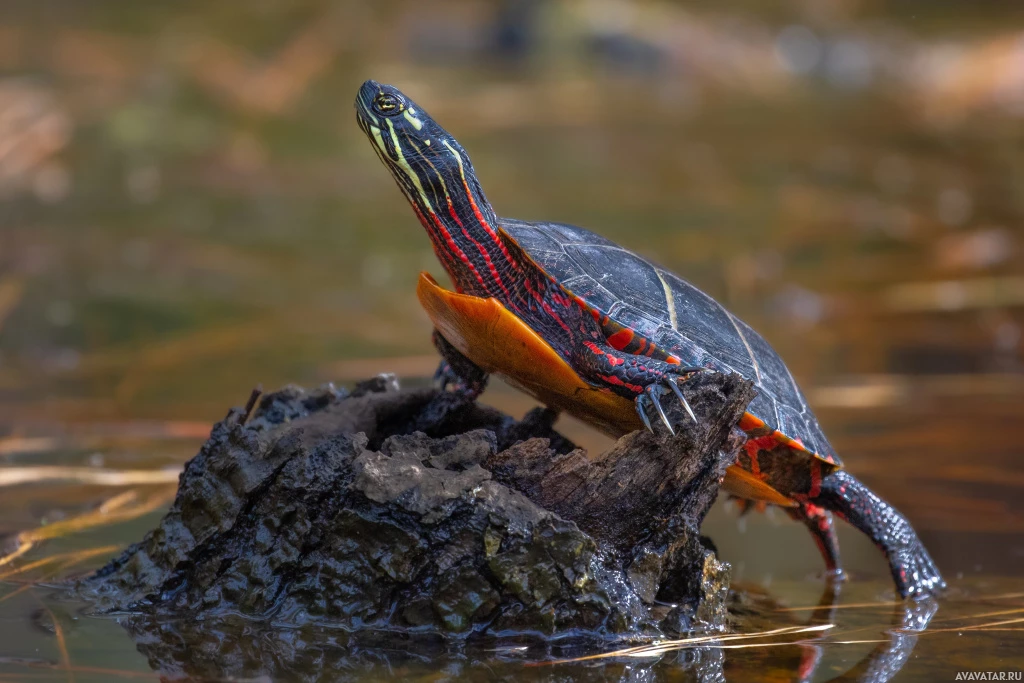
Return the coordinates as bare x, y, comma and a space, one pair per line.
589, 327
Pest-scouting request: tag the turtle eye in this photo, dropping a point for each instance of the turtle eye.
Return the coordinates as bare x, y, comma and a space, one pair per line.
388, 104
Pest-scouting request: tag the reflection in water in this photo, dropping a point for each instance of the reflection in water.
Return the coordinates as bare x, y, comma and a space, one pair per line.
235, 648
886, 660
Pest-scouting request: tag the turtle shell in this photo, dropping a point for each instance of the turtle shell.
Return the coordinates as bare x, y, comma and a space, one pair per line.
674, 315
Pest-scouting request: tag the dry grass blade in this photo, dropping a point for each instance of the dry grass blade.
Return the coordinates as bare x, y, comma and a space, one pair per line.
657, 648
62, 643
64, 435
852, 605
120, 508
747, 646
1001, 630
74, 558
997, 613
11, 476
1001, 596
975, 627
120, 673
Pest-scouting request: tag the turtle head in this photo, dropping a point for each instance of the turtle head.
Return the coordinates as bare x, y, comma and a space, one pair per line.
435, 174
408, 140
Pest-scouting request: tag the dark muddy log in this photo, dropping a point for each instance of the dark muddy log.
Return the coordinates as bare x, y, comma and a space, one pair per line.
415, 510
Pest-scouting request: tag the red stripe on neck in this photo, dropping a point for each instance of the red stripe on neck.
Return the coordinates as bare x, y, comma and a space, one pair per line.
447, 236
487, 227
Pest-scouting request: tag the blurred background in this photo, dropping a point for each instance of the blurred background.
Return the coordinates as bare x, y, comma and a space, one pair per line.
187, 209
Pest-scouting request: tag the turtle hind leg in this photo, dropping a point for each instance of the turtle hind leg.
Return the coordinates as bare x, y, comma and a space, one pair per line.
818, 521
456, 372
912, 567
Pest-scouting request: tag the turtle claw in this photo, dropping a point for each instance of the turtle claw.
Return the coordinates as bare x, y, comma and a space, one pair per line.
643, 413
682, 399
652, 395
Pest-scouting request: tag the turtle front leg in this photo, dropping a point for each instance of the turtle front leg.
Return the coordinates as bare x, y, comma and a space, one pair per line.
457, 372
639, 378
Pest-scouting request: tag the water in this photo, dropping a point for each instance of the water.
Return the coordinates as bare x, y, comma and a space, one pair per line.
188, 209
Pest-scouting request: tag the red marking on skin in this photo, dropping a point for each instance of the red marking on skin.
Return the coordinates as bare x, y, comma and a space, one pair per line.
483, 252
817, 513
612, 360
561, 299
808, 659
486, 225
761, 443
671, 360
455, 247
451, 210
620, 339
643, 345
611, 379
443, 231
490, 266
815, 480
546, 306
754, 446
445, 257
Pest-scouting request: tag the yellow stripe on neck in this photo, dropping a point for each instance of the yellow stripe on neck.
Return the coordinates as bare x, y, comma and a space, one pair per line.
405, 164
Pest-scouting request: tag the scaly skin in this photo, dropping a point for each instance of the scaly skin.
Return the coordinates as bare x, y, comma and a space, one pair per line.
436, 176
912, 567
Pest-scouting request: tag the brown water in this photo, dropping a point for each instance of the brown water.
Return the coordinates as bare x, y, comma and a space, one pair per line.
187, 209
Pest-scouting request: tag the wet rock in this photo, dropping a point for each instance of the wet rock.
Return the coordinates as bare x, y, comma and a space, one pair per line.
417, 511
